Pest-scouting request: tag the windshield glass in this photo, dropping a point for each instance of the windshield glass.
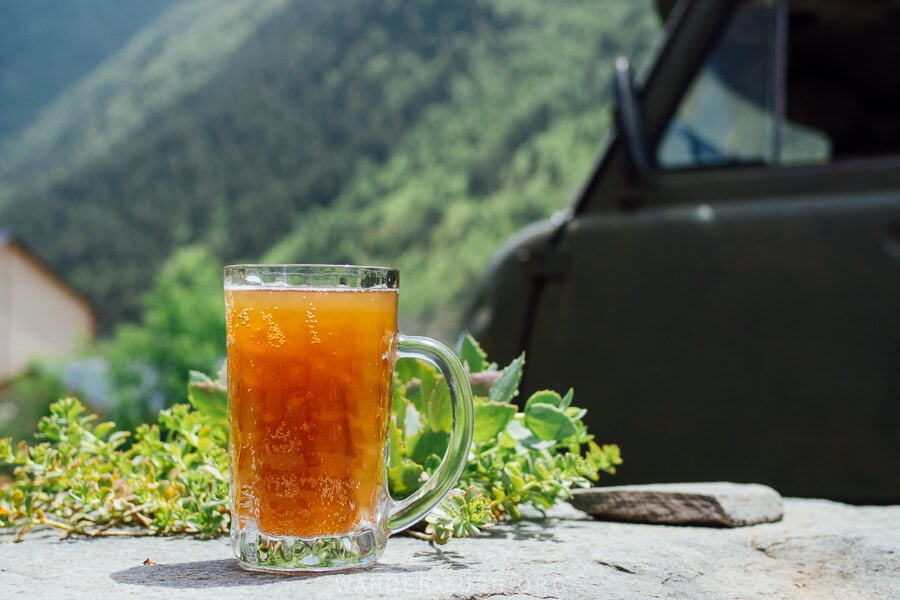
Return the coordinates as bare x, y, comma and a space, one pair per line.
732, 113
727, 113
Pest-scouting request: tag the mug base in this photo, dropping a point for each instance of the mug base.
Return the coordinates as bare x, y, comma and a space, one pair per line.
260, 552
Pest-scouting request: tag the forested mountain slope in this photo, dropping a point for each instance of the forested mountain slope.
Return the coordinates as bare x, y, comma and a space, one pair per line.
417, 134
45, 45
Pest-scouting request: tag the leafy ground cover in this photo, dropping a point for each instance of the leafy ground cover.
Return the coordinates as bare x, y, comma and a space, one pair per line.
171, 476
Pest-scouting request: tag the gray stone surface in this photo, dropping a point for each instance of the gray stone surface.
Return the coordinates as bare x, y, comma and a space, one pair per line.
819, 550
714, 504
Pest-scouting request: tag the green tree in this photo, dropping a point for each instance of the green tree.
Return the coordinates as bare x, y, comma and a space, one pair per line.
182, 327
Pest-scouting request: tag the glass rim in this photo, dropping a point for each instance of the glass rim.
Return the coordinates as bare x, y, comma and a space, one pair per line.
297, 275
316, 266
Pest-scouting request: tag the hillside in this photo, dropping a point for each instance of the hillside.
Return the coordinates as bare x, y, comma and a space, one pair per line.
168, 59
418, 134
45, 45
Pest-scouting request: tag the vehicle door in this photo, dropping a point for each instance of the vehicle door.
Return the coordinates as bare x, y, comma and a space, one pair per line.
726, 298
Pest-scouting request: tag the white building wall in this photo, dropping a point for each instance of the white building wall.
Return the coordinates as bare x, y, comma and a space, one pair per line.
39, 315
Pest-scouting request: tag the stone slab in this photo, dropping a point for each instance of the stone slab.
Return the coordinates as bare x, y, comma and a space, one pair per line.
712, 504
819, 550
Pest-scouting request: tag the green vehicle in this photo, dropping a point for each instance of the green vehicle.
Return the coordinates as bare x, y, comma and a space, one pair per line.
724, 295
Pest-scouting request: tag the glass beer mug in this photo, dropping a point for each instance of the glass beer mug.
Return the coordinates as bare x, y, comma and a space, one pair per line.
311, 353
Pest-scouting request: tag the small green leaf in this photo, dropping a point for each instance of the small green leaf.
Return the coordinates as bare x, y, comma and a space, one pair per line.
548, 422
544, 397
103, 429
567, 399
515, 479
576, 413
404, 479
420, 394
395, 445
400, 408
439, 408
491, 418
432, 463
406, 369
507, 385
472, 355
425, 443
207, 396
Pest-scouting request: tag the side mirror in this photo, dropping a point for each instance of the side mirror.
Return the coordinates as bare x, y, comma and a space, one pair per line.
628, 119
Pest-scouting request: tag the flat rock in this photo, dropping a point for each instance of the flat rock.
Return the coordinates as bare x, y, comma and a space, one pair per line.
819, 550
716, 504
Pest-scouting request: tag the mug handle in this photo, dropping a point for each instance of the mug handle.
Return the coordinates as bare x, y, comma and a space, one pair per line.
414, 507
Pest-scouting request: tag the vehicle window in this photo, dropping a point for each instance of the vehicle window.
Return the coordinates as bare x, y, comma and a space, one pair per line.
840, 96
728, 113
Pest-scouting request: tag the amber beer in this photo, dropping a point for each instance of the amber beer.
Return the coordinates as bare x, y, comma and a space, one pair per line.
311, 352
309, 383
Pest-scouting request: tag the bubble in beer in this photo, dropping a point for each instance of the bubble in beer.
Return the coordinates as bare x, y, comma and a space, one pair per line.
312, 321
243, 318
274, 335
334, 491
